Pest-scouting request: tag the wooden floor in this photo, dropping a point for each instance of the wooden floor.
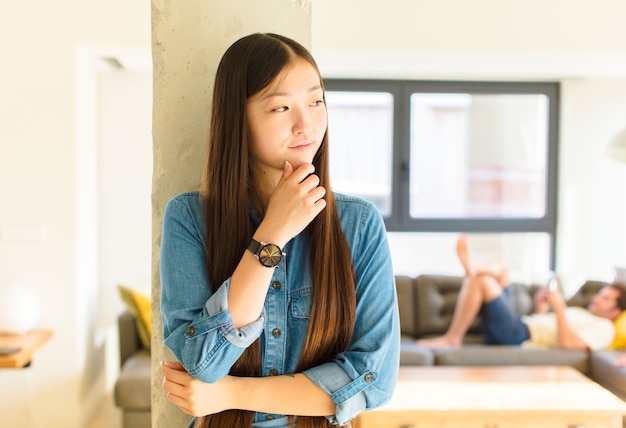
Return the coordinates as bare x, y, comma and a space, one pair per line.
107, 415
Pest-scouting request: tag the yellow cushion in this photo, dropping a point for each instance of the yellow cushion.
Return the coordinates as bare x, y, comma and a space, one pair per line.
620, 332
138, 305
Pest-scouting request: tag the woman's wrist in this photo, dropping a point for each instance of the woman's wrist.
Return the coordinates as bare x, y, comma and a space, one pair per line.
231, 392
270, 235
278, 394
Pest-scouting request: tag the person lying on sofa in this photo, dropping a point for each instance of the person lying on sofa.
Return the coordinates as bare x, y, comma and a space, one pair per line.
485, 290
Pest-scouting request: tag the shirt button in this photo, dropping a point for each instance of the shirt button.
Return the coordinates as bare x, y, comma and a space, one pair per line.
273, 372
269, 417
369, 378
276, 332
276, 285
191, 330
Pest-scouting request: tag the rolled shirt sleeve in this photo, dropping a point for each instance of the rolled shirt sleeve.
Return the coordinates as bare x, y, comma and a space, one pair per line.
197, 325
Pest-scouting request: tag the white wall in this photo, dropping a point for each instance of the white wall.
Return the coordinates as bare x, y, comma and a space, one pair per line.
125, 186
38, 188
462, 26
124, 111
592, 206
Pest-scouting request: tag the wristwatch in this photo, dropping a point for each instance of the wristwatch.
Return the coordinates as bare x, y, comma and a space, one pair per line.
270, 255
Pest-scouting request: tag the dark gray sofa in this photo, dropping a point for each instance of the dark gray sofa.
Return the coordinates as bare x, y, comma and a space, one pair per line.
426, 306
132, 388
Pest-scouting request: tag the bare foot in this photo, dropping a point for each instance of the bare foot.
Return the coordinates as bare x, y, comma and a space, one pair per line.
463, 252
439, 342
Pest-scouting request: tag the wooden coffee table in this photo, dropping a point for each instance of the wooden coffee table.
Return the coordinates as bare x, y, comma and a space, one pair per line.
489, 397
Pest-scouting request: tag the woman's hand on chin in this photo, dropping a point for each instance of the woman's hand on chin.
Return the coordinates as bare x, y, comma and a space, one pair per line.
295, 202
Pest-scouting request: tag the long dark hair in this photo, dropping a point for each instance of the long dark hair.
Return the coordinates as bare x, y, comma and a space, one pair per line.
247, 67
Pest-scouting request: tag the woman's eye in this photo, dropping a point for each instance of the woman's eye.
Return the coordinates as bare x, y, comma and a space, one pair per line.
281, 109
317, 103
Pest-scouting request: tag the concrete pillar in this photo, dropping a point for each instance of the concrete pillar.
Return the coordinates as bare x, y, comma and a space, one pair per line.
188, 40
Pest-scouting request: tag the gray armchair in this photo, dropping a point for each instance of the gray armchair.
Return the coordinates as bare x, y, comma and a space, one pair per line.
132, 388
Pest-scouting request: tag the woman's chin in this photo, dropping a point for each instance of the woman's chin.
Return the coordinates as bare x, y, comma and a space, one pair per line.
300, 160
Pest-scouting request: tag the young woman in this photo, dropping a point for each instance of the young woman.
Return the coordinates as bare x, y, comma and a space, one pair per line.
278, 295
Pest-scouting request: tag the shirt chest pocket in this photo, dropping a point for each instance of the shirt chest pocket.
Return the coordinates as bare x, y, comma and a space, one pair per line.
301, 303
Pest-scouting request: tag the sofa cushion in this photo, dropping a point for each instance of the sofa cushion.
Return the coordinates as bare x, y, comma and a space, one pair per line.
493, 355
583, 295
607, 373
436, 297
413, 355
132, 388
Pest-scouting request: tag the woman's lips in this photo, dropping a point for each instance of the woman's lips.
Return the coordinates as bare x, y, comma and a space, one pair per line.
302, 146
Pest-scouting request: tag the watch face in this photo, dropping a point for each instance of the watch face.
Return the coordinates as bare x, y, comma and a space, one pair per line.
270, 255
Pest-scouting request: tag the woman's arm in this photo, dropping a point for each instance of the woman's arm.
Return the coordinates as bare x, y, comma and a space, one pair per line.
293, 204
197, 326
286, 394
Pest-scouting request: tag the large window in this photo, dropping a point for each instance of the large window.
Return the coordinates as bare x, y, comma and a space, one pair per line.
438, 158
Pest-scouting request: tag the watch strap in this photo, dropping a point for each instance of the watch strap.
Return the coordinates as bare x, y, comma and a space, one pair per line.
254, 246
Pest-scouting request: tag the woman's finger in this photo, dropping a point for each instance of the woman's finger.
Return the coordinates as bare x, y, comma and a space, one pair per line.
177, 376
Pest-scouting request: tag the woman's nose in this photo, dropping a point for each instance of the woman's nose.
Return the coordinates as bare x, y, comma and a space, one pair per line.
302, 122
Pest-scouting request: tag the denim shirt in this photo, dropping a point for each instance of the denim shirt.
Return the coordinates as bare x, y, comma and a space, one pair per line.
198, 329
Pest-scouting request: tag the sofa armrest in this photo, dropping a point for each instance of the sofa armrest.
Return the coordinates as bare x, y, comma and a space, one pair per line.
405, 289
128, 336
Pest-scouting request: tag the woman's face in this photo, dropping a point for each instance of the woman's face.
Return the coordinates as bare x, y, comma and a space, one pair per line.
287, 120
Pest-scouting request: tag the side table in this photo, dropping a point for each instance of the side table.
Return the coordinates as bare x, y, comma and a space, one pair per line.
26, 344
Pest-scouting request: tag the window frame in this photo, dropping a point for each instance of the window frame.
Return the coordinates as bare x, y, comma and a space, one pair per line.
400, 220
